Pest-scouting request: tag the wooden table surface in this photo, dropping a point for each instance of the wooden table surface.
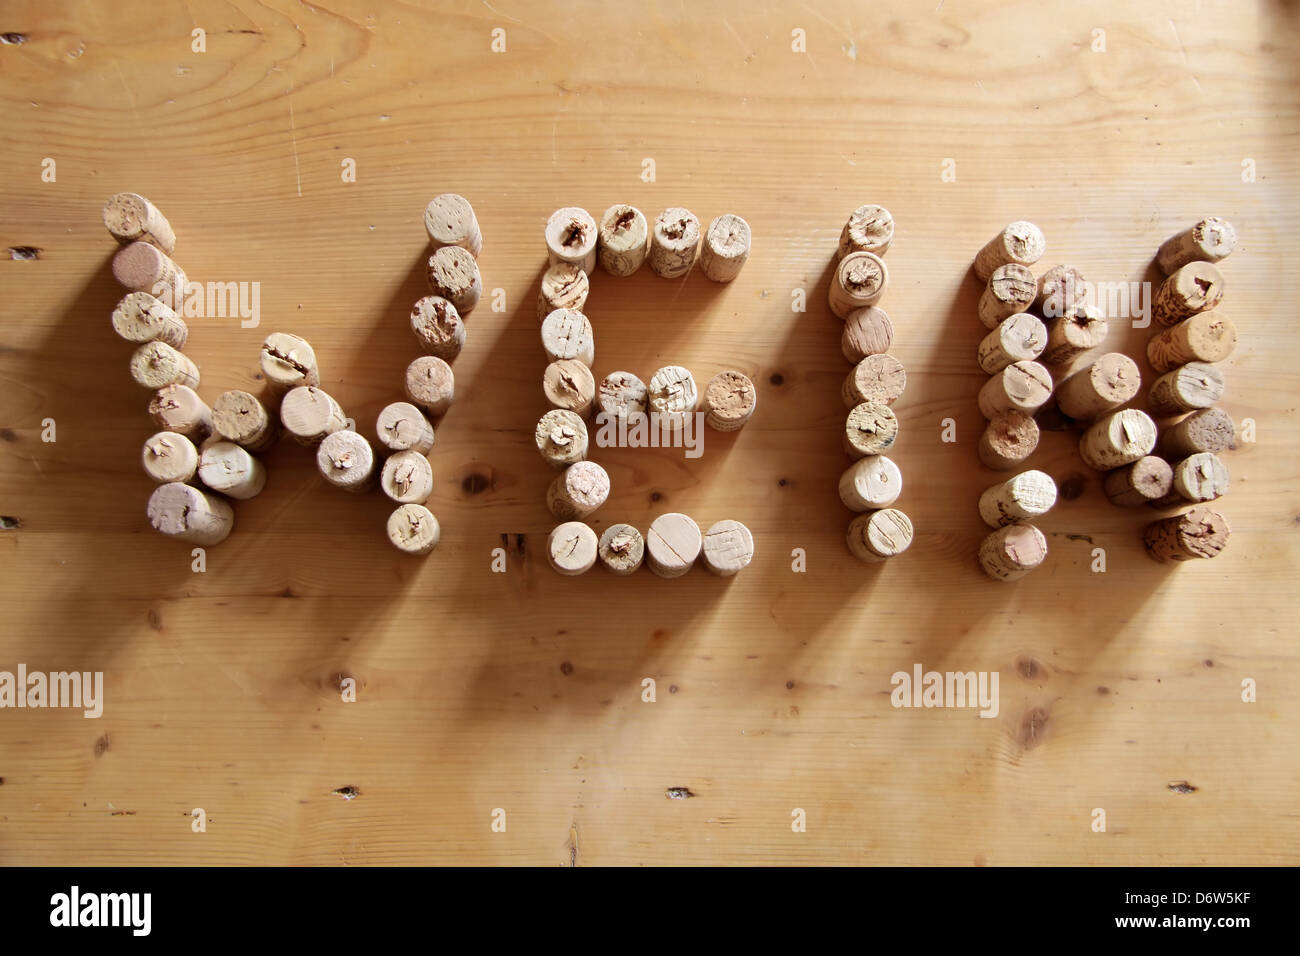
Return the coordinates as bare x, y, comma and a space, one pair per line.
522, 692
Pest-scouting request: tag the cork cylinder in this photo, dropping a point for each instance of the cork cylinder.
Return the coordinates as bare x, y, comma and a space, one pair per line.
571, 236
438, 327
178, 408
730, 399
564, 286
140, 267
1209, 240
571, 548
1012, 552
725, 248
1010, 290
229, 469
1146, 480
1061, 290
1021, 243
1198, 478
623, 240
870, 429
1118, 439
239, 417
431, 384
1199, 533
1102, 387
183, 511
450, 221
1007, 441
859, 281
877, 378
413, 529
1027, 495
132, 218
621, 549
561, 438
622, 394
402, 427
567, 334
308, 414
1205, 337
346, 461
674, 242
867, 331
870, 483
578, 491
288, 361
169, 456
141, 318
1194, 385
1020, 387
407, 478
672, 394
453, 275
870, 228
569, 384
1020, 338
1210, 429
156, 364
1081, 329
672, 544
878, 535
728, 548
1196, 287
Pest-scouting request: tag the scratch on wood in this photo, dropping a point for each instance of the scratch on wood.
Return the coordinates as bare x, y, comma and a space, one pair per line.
293, 135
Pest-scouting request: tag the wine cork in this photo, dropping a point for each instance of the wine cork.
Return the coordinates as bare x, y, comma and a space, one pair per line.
571, 548
1007, 441
183, 511
1020, 338
870, 483
229, 469
1021, 242
1027, 495
169, 456
1196, 287
141, 267
673, 395
569, 384
1021, 387
1082, 328
308, 414
413, 529
1194, 385
1010, 290
178, 408
402, 427
1210, 429
578, 490
867, 331
130, 218
725, 248
859, 281
1205, 337
672, 544
870, 228
239, 417
1199, 533
870, 429
1061, 290
1197, 478
728, 548
564, 286
430, 383
1012, 552
156, 364
877, 535
567, 334
1102, 387
622, 394
729, 401
288, 361
407, 478
453, 274
674, 242
1119, 438
621, 549
346, 461
438, 327
877, 378
623, 240
1210, 240
571, 236
1146, 480
141, 318
561, 438
450, 221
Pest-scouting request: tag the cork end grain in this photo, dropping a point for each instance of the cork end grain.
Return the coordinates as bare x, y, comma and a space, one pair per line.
178, 408
450, 221
140, 318
672, 390
877, 535
1145, 481
870, 483
571, 236
1200, 533
564, 286
726, 248
870, 429
729, 399
567, 334
407, 478
623, 240
156, 364
183, 511
674, 242
673, 543
877, 378
139, 265
621, 548
870, 228
867, 331
1201, 477
288, 361
413, 529
169, 456
229, 469
130, 217
438, 327
308, 414
1011, 552
1008, 440
453, 275
728, 548
1060, 290
561, 438
622, 393
1011, 289
578, 491
401, 427
569, 384
571, 548
1210, 429
346, 460
431, 384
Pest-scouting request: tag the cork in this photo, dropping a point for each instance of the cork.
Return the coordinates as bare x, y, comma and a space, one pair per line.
725, 248
1199, 533
672, 544
870, 228
623, 240
169, 456
674, 242
1210, 429
728, 548
156, 364
1194, 385
1012, 552
561, 438
672, 394
346, 461
1102, 387
1146, 480
183, 511
1021, 387
141, 267
308, 414
453, 275
1061, 289
564, 286
1209, 240
870, 429
878, 535
1007, 441
1196, 287
179, 409
870, 483
877, 378
450, 221
621, 549
407, 478
729, 401
571, 548
130, 218
1118, 439
402, 427
431, 384
239, 417
1081, 329
1027, 495
569, 384
413, 529
1021, 242
571, 236
141, 318
438, 327
859, 281
867, 331
621, 394
288, 361
1020, 338
567, 334
578, 491
1205, 337
1010, 290
229, 469
1198, 478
